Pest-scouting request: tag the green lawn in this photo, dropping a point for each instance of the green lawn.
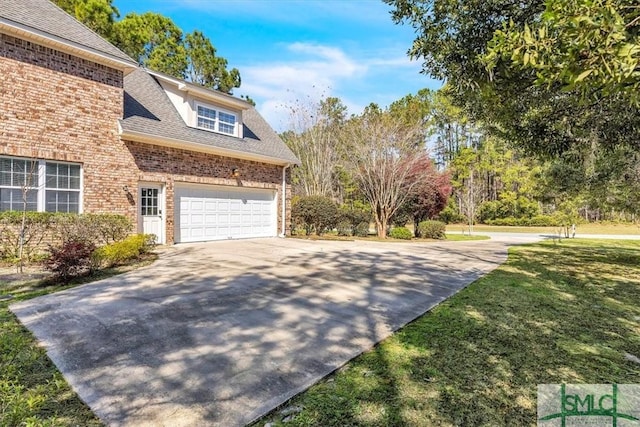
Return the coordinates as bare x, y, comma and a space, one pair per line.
465, 237
582, 229
32, 390
555, 312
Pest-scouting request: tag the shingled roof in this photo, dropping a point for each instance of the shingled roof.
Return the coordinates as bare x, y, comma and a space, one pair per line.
148, 111
48, 19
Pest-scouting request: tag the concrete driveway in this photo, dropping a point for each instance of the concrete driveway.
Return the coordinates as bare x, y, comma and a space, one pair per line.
221, 333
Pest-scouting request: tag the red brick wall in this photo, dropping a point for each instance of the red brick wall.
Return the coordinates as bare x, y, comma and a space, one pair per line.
169, 166
35, 54
58, 107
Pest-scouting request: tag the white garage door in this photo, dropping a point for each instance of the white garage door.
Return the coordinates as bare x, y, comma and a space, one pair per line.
216, 213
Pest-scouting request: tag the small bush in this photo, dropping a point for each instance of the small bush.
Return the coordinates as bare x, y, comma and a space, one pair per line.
122, 252
315, 213
450, 215
400, 233
344, 228
432, 230
73, 258
355, 214
37, 227
109, 228
94, 228
361, 230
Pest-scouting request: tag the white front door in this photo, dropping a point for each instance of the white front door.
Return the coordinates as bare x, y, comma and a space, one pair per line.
151, 205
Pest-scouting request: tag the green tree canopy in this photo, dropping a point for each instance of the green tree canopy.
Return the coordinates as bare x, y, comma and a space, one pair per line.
207, 69
154, 40
456, 38
99, 15
590, 46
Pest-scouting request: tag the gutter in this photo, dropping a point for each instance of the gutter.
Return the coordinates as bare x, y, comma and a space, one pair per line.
130, 135
284, 200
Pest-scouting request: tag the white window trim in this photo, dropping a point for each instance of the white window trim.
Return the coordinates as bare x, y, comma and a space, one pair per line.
42, 180
218, 110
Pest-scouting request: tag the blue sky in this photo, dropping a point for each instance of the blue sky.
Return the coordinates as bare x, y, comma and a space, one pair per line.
301, 49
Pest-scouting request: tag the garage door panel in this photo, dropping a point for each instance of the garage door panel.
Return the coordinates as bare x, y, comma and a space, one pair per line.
210, 213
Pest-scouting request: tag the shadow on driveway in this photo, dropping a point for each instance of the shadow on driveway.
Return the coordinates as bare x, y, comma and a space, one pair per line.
221, 333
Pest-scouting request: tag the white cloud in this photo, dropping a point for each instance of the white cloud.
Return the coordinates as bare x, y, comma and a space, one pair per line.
316, 71
309, 72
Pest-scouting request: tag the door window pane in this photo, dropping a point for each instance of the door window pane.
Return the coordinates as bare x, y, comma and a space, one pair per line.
149, 201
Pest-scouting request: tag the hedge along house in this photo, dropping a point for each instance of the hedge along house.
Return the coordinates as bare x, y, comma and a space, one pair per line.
183, 162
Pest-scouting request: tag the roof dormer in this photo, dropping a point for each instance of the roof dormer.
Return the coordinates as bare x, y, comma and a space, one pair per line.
204, 108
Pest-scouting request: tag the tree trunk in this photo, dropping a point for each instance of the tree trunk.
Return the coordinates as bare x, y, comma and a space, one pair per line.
21, 241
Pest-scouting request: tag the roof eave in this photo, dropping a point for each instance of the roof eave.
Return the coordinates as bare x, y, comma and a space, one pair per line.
48, 40
164, 141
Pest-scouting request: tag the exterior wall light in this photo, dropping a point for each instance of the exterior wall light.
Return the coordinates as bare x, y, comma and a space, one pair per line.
235, 172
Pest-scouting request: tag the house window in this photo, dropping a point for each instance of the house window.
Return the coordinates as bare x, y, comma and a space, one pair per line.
215, 120
62, 188
18, 184
38, 185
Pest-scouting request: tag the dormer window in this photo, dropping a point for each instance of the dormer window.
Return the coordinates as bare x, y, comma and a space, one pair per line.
215, 119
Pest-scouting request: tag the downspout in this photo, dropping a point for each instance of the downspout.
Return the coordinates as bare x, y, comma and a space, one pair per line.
284, 200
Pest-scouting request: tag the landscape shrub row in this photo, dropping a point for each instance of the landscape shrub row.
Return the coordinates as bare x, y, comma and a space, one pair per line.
536, 221
70, 244
76, 257
318, 214
44, 228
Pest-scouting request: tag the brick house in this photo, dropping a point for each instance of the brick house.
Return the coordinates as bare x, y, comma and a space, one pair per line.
104, 135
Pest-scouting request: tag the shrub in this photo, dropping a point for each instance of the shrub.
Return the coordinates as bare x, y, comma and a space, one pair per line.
362, 229
43, 228
400, 233
315, 213
450, 215
72, 258
344, 228
536, 221
355, 214
521, 207
36, 229
431, 230
94, 228
124, 251
108, 228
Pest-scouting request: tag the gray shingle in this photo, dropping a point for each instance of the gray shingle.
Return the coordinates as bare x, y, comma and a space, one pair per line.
44, 16
147, 109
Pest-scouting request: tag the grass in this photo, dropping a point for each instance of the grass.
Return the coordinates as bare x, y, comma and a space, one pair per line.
32, 390
564, 312
465, 237
582, 229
